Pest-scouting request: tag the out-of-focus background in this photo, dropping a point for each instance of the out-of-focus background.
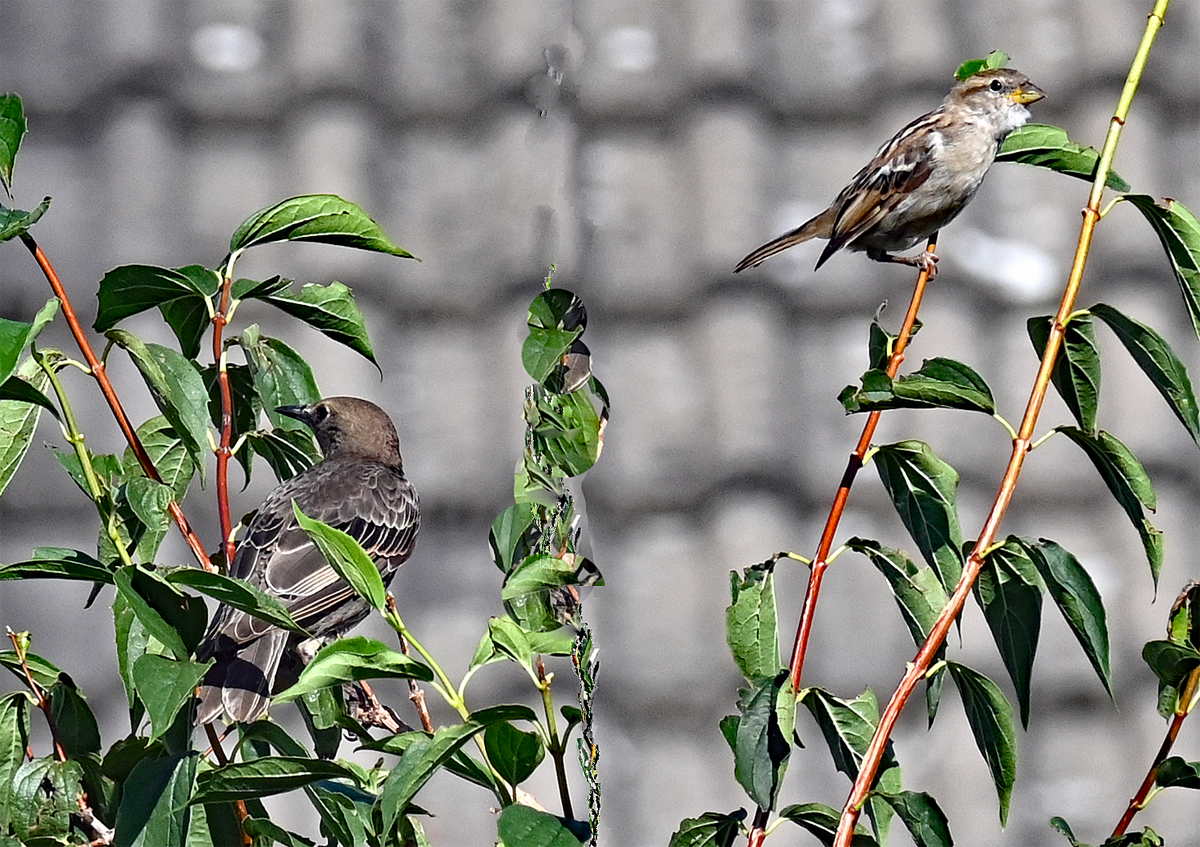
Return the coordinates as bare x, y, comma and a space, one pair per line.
642, 148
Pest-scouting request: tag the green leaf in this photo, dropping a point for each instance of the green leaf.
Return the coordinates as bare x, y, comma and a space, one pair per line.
566, 431
246, 409
237, 593
513, 535
1170, 662
12, 130
1048, 147
1060, 825
712, 829
504, 638
15, 336
76, 725
352, 659
924, 819
1179, 233
347, 557
1178, 772
288, 452
176, 387
991, 720
58, 563
165, 686
14, 740
1009, 591
523, 826
44, 673
533, 593
281, 377
761, 746
15, 222
938, 384
847, 725
330, 309
324, 218
1076, 374
131, 289
1129, 484
177, 621
44, 793
19, 389
265, 828
423, 758
750, 622
822, 821
514, 753
243, 289
995, 59
18, 420
1077, 599
154, 803
917, 590
263, 777
188, 318
1158, 361
168, 453
922, 488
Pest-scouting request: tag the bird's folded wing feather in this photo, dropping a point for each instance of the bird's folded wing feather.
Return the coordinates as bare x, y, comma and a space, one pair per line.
901, 166
281, 558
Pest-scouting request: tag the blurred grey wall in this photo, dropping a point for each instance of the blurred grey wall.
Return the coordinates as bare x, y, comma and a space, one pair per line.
642, 148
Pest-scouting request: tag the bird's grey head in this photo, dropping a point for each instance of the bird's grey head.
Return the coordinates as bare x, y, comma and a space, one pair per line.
1001, 93
349, 426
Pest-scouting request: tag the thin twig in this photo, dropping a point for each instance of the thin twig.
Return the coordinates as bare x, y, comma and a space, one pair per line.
869, 767
853, 465
1138, 802
557, 747
110, 395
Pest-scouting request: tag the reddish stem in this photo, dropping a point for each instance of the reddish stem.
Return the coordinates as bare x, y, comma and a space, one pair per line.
224, 450
919, 667
820, 563
1139, 800
110, 395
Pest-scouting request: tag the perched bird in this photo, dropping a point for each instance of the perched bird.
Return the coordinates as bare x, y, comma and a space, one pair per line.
359, 488
920, 180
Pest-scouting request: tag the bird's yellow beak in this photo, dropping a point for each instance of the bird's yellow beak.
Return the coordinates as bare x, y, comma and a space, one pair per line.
1027, 93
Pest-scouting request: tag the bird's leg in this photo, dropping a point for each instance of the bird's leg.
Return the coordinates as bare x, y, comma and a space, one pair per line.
926, 261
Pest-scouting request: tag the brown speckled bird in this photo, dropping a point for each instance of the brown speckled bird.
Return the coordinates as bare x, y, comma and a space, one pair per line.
359, 488
922, 178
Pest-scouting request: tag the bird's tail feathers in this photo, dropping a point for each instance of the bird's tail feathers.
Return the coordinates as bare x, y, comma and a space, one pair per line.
818, 227
240, 684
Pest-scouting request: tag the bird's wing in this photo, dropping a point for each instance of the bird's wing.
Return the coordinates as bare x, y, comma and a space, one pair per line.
378, 508
899, 168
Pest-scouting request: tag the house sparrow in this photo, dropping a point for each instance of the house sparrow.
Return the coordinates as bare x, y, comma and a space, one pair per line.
920, 180
359, 488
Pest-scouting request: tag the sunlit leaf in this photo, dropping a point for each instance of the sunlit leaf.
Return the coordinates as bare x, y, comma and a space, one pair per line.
1048, 147
1076, 374
750, 623
1009, 591
1159, 362
938, 384
1077, 599
329, 309
324, 218
350, 660
923, 488
991, 720
12, 130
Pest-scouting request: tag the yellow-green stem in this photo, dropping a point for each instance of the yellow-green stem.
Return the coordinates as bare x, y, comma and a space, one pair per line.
75, 437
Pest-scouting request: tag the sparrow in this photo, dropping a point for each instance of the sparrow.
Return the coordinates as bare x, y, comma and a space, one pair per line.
922, 178
358, 487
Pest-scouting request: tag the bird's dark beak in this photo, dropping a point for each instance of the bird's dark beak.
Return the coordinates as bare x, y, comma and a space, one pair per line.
300, 413
1027, 93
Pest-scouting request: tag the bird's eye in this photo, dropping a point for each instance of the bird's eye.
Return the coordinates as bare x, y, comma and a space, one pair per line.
319, 414
996, 85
